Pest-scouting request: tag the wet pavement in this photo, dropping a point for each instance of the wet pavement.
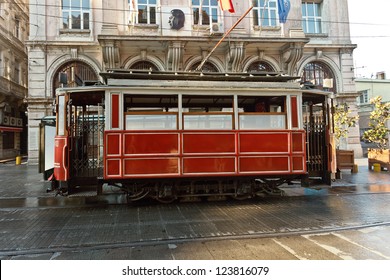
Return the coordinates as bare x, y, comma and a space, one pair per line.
349, 220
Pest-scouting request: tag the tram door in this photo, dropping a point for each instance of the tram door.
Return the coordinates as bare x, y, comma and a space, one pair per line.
316, 123
86, 141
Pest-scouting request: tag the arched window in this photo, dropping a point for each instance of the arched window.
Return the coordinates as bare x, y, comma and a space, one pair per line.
77, 74
207, 67
319, 75
260, 66
144, 65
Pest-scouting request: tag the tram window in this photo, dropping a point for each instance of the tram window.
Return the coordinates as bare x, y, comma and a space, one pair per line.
198, 103
262, 112
255, 121
162, 103
207, 112
151, 121
262, 104
208, 121
61, 116
151, 112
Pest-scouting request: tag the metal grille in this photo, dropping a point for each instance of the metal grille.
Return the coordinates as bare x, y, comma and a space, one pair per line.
315, 126
87, 142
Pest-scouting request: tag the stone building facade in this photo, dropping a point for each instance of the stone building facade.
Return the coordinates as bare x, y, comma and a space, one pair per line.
13, 78
83, 38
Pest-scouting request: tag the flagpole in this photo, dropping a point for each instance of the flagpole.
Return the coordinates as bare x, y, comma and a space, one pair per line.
200, 20
199, 68
262, 16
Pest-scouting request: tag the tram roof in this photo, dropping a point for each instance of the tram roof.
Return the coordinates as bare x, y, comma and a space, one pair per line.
115, 78
196, 76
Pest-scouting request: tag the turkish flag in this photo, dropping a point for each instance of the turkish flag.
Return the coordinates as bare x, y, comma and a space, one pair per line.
226, 5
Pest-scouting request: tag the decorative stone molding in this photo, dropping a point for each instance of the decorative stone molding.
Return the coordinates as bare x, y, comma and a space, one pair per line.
261, 57
175, 56
144, 56
73, 53
109, 29
318, 54
291, 55
110, 54
235, 56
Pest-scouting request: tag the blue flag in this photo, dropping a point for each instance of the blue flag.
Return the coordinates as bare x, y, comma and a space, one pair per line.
283, 8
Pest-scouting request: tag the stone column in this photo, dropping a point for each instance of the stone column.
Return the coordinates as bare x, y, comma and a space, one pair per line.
39, 104
37, 109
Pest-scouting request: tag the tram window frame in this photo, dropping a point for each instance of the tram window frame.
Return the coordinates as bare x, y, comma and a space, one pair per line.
144, 113
61, 116
208, 105
274, 121
209, 126
261, 111
147, 105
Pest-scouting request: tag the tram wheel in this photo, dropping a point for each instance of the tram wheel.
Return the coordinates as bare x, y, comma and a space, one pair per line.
165, 200
138, 195
241, 196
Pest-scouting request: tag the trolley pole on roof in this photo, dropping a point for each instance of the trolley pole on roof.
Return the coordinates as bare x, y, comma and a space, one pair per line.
199, 68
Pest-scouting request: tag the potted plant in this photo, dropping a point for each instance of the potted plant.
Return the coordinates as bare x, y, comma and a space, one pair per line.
342, 122
379, 134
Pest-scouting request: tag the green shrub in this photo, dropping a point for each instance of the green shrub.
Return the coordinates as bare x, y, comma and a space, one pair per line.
378, 132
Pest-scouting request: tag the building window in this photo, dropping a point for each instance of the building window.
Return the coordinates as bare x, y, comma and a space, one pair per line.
17, 28
144, 11
318, 75
6, 68
205, 11
75, 14
17, 72
260, 66
8, 140
363, 98
264, 13
311, 17
144, 65
207, 67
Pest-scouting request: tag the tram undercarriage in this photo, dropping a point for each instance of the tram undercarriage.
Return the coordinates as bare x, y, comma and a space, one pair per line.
167, 191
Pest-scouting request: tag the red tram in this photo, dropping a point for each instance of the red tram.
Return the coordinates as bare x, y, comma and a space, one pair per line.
188, 135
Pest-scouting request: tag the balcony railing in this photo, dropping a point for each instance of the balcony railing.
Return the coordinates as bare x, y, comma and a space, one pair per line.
12, 88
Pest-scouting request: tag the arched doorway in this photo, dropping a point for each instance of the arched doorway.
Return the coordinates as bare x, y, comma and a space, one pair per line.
77, 73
